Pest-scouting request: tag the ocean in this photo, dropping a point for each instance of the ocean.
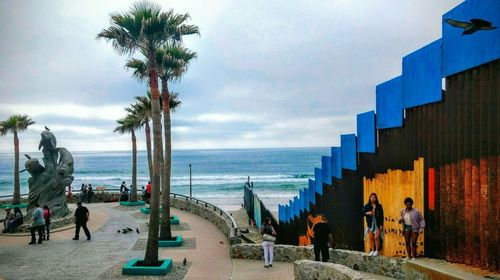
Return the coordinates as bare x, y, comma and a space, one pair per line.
218, 176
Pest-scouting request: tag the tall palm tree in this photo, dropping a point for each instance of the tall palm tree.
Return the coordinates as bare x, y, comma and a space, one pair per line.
145, 28
173, 64
15, 124
172, 60
130, 124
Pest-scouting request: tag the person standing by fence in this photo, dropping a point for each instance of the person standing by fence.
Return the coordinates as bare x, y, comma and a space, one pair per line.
268, 237
413, 224
323, 239
374, 214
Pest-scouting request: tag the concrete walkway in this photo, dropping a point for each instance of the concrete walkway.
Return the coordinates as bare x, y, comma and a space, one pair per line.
206, 250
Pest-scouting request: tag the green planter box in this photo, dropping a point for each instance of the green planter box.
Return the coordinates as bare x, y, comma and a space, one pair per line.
132, 269
132, 203
173, 221
12, 206
171, 243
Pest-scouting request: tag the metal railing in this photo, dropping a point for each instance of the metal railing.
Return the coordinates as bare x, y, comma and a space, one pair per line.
234, 225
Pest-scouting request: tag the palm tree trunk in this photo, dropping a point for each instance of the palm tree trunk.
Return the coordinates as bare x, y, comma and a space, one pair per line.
148, 148
165, 229
133, 194
16, 198
151, 256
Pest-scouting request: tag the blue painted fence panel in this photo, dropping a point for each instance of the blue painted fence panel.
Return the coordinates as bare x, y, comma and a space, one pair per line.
318, 179
306, 199
337, 162
302, 200
296, 205
312, 191
326, 167
256, 211
292, 210
389, 104
366, 132
465, 52
348, 148
422, 76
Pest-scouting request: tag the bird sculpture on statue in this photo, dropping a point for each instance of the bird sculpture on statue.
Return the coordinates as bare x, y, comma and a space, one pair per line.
474, 25
184, 262
47, 128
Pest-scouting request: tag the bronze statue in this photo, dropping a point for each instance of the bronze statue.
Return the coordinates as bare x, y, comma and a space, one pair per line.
48, 183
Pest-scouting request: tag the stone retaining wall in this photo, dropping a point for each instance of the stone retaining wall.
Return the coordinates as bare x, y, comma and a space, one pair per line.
311, 270
390, 267
216, 217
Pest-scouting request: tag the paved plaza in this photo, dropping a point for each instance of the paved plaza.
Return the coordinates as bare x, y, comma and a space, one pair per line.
206, 251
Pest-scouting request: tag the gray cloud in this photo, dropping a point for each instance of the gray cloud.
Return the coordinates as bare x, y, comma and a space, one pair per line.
282, 73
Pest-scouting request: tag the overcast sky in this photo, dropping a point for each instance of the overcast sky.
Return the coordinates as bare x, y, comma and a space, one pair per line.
268, 73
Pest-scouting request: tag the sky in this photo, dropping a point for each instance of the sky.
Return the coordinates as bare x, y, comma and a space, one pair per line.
268, 73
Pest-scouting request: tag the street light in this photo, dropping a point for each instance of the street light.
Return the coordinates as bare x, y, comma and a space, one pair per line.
190, 183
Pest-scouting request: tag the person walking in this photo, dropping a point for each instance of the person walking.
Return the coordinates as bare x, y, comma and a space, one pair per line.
37, 224
268, 237
374, 214
413, 224
47, 213
323, 239
81, 217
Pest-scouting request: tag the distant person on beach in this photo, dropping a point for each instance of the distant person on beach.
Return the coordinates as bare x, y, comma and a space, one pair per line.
81, 217
16, 221
148, 192
123, 187
37, 224
47, 213
323, 239
143, 193
83, 193
374, 214
413, 224
268, 237
90, 194
70, 193
9, 217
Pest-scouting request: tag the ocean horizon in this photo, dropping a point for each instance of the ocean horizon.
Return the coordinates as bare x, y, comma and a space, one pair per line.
218, 175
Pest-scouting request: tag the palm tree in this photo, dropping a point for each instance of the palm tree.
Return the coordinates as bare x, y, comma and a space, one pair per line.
130, 124
15, 124
173, 64
142, 109
172, 60
145, 28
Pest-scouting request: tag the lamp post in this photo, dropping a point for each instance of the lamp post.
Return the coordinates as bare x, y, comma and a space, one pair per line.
190, 183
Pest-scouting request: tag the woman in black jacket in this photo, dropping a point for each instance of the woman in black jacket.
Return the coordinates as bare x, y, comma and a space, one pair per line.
374, 214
